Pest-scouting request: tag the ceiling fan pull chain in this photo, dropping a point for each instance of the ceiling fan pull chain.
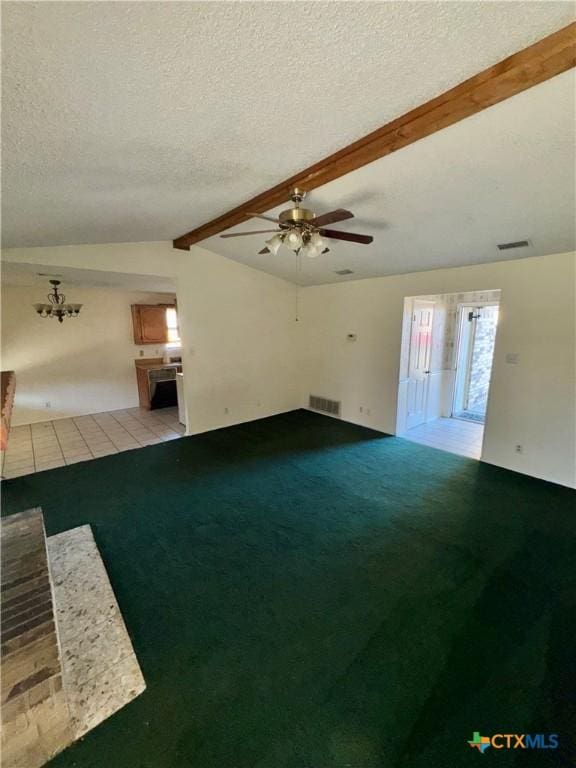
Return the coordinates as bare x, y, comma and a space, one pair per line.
298, 270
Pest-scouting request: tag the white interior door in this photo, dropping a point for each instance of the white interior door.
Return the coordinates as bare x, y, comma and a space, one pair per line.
419, 362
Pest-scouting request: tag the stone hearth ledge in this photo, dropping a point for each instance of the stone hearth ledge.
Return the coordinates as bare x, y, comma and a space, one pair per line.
100, 671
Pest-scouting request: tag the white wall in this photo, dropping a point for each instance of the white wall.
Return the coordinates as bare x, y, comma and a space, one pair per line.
241, 346
239, 336
531, 403
83, 365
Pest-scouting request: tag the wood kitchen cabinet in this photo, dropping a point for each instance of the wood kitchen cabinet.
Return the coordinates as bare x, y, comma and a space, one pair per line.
150, 323
143, 387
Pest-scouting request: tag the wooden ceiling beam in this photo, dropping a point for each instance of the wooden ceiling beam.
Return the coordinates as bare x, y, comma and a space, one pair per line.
539, 62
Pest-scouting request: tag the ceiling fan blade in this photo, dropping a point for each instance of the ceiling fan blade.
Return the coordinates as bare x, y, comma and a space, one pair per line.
264, 250
255, 232
332, 217
262, 216
351, 236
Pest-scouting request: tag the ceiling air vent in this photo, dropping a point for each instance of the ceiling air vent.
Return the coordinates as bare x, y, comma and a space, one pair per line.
344, 272
331, 407
517, 244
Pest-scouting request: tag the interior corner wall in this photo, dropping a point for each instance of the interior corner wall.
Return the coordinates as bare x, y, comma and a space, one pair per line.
239, 341
83, 365
237, 327
531, 403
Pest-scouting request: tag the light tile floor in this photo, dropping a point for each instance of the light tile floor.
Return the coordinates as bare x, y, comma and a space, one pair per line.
452, 435
50, 444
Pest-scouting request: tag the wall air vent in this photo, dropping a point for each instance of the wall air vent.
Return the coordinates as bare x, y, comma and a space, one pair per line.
344, 272
516, 244
331, 407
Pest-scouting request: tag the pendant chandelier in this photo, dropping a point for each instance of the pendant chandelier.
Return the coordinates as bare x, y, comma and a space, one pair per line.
57, 307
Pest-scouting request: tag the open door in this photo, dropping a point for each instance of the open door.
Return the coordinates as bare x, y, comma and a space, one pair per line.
474, 361
419, 362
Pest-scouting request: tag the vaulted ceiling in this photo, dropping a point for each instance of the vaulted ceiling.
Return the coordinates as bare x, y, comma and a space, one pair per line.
504, 175
139, 121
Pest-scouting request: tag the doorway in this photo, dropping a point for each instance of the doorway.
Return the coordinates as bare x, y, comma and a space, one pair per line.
445, 367
476, 338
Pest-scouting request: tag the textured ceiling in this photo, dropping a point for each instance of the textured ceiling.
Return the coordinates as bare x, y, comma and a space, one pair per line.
38, 275
138, 121
505, 174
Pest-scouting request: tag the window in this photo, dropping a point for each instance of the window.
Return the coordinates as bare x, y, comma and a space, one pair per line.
173, 334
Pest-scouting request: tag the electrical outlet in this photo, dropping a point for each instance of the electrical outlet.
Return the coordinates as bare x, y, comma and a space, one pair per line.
226, 410
48, 404
361, 409
519, 448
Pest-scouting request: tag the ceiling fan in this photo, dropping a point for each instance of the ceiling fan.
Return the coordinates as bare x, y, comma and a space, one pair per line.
302, 231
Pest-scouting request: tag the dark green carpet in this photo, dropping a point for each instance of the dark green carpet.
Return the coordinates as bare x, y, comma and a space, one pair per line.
303, 593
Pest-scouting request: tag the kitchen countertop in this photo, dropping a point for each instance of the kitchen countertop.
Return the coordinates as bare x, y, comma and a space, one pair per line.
155, 362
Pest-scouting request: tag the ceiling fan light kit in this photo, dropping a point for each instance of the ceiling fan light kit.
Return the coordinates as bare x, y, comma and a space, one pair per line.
317, 241
302, 231
274, 244
294, 239
309, 251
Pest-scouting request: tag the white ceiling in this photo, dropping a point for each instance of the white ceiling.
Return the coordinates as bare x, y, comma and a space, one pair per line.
503, 175
38, 275
138, 121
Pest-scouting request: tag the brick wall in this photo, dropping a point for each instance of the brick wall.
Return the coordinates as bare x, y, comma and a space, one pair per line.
35, 717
